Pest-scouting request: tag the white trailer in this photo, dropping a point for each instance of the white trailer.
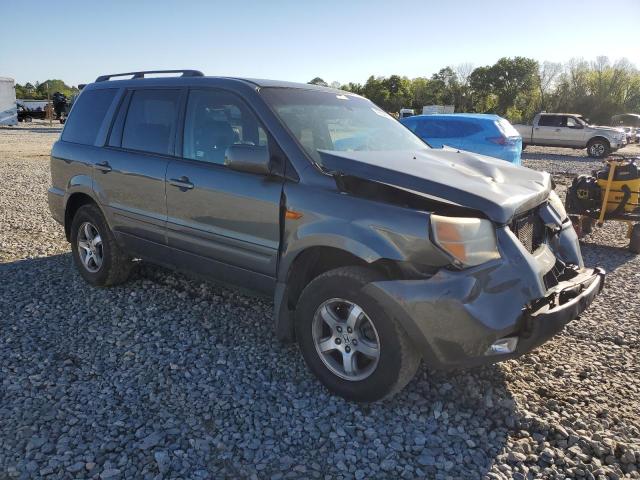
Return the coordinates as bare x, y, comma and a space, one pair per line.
437, 109
8, 111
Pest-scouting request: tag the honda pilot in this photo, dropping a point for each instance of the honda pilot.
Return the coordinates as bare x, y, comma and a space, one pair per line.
379, 252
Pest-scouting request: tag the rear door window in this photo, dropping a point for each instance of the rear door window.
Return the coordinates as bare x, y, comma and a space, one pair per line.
87, 116
461, 128
150, 125
549, 121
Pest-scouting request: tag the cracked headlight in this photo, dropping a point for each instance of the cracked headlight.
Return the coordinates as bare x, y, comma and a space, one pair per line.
557, 205
469, 241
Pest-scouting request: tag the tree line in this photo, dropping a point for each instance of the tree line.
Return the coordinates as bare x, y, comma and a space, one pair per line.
516, 88
38, 91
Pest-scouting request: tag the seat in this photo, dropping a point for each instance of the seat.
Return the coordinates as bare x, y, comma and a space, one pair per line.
212, 139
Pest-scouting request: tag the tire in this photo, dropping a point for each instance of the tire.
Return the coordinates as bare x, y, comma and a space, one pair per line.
634, 241
340, 291
109, 264
598, 148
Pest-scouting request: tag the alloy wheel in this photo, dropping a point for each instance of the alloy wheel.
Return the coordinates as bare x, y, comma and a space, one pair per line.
90, 247
346, 339
597, 149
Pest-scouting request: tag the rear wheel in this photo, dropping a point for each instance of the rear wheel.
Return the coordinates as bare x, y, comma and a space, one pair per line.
98, 258
634, 241
347, 339
598, 148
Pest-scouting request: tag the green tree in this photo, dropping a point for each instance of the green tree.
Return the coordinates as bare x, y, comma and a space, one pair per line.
400, 94
506, 86
318, 81
376, 90
353, 88
421, 93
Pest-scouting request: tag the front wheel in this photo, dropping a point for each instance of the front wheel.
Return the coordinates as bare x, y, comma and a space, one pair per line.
98, 258
598, 148
355, 348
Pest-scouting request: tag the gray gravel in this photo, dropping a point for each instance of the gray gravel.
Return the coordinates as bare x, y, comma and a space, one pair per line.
167, 377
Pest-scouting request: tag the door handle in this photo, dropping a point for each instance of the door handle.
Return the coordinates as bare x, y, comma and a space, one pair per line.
104, 167
182, 183
557, 129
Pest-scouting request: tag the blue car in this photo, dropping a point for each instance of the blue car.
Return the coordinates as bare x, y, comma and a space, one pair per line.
485, 134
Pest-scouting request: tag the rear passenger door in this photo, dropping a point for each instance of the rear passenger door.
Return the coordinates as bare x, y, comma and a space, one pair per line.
547, 132
130, 179
222, 222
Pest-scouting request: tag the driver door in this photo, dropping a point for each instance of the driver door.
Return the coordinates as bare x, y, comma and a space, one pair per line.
572, 132
222, 222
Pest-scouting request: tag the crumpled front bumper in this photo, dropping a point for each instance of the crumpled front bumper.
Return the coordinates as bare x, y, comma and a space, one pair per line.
566, 304
454, 317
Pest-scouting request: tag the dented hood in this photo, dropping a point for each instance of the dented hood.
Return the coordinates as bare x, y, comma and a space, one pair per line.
497, 188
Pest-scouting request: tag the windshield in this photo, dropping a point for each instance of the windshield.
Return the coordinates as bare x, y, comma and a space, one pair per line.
338, 122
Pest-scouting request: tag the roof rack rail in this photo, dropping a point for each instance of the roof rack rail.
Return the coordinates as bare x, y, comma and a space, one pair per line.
185, 73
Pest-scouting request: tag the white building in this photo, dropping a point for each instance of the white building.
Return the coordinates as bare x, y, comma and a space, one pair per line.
8, 112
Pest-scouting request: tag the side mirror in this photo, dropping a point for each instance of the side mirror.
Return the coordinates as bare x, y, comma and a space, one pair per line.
248, 158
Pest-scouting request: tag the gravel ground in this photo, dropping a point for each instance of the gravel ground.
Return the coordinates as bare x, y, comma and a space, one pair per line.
167, 377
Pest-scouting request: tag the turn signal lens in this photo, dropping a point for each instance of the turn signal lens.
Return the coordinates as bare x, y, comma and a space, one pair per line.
470, 241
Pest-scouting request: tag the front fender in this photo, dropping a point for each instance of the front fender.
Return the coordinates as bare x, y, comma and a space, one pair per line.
364, 228
354, 239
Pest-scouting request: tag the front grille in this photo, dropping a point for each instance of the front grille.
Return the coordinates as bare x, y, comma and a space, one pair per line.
530, 230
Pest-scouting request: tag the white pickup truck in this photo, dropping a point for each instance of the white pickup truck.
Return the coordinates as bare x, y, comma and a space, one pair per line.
572, 131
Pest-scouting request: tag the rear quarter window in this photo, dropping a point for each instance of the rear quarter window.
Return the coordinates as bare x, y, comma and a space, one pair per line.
462, 128
87, 116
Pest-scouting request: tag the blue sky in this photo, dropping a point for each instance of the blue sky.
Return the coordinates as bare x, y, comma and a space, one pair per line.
297, 40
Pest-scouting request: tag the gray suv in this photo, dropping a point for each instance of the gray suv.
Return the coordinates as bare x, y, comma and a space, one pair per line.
378, 251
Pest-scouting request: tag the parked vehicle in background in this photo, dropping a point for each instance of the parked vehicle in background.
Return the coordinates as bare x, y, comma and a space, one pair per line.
571, 130
485, 134
626, 120
406, 112
23, 114
630, 133
8, 108
30, 109
437, 109
377, 257
630, 122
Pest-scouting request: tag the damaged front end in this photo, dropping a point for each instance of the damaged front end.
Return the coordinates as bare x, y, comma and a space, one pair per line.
504, 307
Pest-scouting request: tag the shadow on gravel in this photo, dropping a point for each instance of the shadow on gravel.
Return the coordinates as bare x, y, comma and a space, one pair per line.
610, 257
173, 375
